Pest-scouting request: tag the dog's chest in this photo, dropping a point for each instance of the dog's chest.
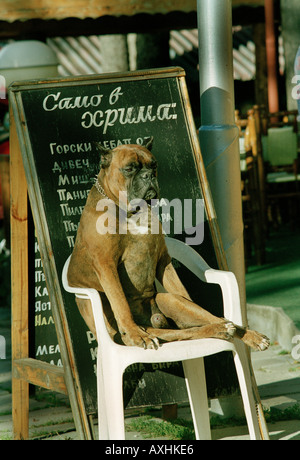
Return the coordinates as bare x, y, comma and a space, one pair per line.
137, 270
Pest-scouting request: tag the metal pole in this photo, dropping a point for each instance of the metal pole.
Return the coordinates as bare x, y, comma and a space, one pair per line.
218, 133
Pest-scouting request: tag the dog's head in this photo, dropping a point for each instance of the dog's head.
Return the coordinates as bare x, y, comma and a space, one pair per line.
131, 169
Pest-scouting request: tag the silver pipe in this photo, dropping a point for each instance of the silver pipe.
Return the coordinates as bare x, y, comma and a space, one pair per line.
218, 133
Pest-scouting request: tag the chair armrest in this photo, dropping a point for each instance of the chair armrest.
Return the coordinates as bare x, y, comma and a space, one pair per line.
230, 291
94, 297
226, 280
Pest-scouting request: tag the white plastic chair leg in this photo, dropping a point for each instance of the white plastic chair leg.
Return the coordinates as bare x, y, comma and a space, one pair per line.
244, 377
110, 383
196, 386
102, 418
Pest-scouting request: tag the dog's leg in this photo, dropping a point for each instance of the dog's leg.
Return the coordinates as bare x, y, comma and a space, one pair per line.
131, 333
85, 309
167, 275
187, 314
193, 321
184, 312
222, 330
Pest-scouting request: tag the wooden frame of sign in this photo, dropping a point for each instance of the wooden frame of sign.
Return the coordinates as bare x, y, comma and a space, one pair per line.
53, 126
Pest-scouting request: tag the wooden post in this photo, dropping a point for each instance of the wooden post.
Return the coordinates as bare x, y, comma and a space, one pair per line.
261, 167
261, 80
271, 48
19, 284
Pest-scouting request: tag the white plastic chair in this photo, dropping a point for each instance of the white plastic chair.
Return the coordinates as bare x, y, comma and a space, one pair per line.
113, 359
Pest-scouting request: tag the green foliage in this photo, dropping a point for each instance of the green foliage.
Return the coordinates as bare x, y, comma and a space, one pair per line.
180, 429
273, 415
152, 427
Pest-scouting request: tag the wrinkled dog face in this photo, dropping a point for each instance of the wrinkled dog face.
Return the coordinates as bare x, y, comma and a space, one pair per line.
135, 167
141, 179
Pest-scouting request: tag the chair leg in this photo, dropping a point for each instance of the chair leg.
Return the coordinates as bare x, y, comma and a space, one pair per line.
247, 392
102, 418
196, 386
115, 404
110, 402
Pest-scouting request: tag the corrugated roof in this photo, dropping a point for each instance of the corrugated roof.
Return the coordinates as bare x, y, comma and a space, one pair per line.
185, 45
82, 55
77, 56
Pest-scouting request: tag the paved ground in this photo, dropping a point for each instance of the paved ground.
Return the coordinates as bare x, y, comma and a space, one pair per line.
276, 283
277, 374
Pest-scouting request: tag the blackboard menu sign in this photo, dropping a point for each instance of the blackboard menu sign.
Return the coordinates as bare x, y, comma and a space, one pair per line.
58, 122
46, 346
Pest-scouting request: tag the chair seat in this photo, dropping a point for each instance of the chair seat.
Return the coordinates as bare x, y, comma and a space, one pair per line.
281, 177
173, 351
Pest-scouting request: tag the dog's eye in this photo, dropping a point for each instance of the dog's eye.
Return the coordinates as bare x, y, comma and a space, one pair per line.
130, 169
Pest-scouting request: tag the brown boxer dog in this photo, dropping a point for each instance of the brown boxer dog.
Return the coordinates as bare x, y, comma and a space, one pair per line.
122, 264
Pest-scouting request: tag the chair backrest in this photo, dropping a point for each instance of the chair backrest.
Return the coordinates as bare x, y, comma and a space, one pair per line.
280, 146
242, 124
279, 137
187, 256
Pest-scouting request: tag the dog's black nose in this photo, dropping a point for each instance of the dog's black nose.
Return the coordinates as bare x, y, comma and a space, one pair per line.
146, 175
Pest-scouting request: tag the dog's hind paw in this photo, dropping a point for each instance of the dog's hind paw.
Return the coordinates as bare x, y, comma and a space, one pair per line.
256, 340
264, 344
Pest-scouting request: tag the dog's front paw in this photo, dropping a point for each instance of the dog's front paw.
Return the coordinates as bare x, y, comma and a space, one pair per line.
230, 328
223, 330
139, 337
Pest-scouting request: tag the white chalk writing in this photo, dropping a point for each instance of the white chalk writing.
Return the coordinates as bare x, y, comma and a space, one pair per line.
54, 101
130, 115
107, 117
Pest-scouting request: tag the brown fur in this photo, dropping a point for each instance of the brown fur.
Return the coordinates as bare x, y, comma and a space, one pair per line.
123, 268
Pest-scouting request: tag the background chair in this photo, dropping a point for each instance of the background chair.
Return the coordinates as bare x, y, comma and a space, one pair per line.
280, 153
112, 359
254, 234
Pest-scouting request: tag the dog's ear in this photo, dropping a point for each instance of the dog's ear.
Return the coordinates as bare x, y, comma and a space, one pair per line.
105, 154
148, 143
